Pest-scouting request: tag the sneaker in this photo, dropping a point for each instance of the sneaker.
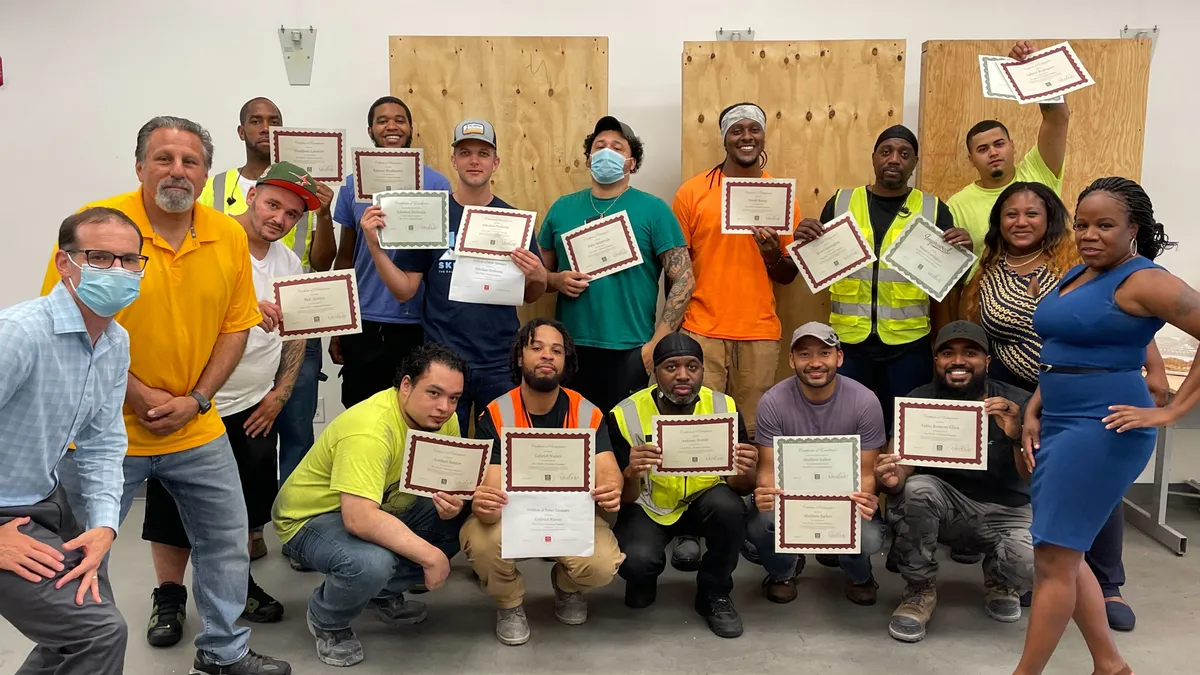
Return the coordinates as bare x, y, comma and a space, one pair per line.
915, 610
640, 596
261, 607
966, 557
1002, 605
779, 592
864, 594
686, 555
512, 628
569, 608
339, 648
396, 611
828, 560
258, 546
167, 614
1120, 615
723, 619
252, 663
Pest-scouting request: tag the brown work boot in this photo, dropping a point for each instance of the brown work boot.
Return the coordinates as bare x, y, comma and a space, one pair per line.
863, 594
915, 610
779, 592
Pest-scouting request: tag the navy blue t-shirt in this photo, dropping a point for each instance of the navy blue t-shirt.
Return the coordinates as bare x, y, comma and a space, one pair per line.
482, 334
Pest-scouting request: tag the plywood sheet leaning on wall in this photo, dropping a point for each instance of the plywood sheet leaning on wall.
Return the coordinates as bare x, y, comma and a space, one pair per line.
1107, 126
542, 94
825, 101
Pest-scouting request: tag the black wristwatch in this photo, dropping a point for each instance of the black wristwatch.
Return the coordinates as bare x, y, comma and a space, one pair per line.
205, 404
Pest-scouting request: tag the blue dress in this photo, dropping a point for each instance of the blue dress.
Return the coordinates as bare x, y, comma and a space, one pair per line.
1083, 469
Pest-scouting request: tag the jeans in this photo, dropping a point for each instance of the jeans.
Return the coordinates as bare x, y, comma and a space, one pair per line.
205, 485
782, 566
891, 378
484, 385
357, 571
295, 421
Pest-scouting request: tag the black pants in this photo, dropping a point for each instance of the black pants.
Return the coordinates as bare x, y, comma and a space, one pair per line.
257, 462
370, 358
608, 376
718, 515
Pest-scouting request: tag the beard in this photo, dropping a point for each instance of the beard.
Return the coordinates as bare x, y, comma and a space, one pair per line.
830, 377
542, 383
681, 401
971, 391
252, 149
997, 173
745, 163
171, 201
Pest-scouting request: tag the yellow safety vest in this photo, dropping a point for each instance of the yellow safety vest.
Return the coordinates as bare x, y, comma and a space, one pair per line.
231, 201
898, 307
665, 498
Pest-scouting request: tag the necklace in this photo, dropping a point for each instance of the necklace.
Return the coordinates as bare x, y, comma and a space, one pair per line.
603, 213
1023, 260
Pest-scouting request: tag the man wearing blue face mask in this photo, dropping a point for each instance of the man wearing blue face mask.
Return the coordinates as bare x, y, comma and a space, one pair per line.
64, 362
613, 318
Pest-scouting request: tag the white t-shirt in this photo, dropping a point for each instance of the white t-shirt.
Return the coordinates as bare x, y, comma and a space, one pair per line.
245, 184
254, 375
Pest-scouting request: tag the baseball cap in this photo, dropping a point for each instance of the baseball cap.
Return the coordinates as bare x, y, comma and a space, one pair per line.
815, 329
291, 177
961, 330
480, 130
610, 123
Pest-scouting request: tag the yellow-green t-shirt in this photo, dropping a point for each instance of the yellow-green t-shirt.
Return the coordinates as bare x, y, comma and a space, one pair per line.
361, 453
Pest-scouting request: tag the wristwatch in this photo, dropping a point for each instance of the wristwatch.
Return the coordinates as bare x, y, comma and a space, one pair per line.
205, 404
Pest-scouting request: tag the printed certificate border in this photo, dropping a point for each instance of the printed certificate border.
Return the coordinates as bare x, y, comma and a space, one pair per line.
939, 294
818, 285
353, 326
588, 437
854, 546
339, 134
904, 404
614, 267
777, 457
1064, 48
726, 187
408, 153
442, 196
460, 247
410, 448
728, 419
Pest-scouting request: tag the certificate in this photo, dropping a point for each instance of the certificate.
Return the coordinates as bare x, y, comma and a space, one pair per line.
493, 233
817, 465
817, 524
547, 525
920, 255
548, 460
995, 84
695, 444
836, 254
385, 169
603, 247
319, 304
449, 464
320, 152
414, 219
1046, 74
750, 203
937, 432
487, 281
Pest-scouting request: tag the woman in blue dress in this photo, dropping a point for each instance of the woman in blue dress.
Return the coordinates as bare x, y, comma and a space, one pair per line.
1091, 425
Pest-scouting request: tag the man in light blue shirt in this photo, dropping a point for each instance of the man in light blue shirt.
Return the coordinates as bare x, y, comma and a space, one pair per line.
65, 364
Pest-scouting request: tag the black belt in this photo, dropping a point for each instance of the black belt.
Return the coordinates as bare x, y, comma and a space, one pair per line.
1078, 370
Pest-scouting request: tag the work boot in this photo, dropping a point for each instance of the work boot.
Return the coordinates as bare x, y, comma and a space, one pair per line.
167, 614
1002, 604
396, 611
338, 648
261, 607
686, 555
779, 592
258, 546
512, 628
569, 608
723, 618
915, 610
252, 663
863, 594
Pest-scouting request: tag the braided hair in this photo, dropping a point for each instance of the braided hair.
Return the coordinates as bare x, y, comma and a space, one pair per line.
1150, 236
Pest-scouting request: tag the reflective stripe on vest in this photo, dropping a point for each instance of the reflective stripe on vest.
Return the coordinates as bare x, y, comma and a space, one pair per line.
220, 201
505, 408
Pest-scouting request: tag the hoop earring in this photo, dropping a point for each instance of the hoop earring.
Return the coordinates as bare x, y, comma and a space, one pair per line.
1133, 247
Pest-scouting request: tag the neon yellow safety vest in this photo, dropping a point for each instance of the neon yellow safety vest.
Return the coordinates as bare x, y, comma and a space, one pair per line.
878, 293
232, 202
665, 498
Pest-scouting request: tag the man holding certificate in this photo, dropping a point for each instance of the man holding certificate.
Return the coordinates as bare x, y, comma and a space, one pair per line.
343, 513
543, 355
980, 512
663, 498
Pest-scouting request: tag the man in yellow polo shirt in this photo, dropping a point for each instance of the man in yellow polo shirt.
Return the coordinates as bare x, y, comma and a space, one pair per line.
187, 331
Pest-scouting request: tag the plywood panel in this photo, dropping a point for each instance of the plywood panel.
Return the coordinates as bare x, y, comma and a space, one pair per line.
542, 94
1107, 120
826, 101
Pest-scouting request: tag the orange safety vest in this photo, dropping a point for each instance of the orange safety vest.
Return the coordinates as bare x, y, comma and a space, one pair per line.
508, 411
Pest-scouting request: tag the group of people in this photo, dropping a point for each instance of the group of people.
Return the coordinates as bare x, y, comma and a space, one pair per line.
1051, 331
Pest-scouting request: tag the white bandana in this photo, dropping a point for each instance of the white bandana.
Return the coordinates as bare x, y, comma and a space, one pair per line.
746, 111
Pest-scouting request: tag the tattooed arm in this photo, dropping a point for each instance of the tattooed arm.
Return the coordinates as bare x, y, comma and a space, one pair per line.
679, 284
263, 417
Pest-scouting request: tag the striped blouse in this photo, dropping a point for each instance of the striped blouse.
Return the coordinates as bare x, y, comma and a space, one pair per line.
1006, 314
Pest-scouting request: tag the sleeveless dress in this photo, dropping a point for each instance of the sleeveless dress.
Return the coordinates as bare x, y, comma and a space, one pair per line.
1083, 470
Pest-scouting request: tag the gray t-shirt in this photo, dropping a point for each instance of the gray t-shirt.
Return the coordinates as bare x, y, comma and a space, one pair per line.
853, 409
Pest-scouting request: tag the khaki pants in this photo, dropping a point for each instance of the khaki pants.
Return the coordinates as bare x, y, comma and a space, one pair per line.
744, 369
502, 580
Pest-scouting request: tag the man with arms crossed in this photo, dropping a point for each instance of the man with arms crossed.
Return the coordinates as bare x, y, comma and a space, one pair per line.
65, 363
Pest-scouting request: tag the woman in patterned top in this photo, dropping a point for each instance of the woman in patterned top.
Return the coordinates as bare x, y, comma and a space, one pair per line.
1028, 249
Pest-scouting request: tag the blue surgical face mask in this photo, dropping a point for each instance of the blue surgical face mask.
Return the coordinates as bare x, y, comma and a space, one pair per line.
607, 166
109, 291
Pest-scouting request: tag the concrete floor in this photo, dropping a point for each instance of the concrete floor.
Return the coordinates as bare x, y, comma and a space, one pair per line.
819, 633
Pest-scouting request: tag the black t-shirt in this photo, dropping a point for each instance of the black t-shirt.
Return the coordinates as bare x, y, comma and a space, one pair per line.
1001, 483
485, 430
621, 447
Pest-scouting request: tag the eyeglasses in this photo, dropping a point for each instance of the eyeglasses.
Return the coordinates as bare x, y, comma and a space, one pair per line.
102, 260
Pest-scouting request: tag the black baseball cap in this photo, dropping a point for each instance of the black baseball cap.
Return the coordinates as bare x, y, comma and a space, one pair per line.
610, 123
961, 330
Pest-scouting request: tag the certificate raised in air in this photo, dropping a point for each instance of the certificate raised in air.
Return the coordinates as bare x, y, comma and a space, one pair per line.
995, 84
320, 152
817, 524
1046, 74
385, 170
603, 247
321, 304
493, 233
817, 465
414, 219
920, 255
751, 203
696, 444
547, 460
434, 463
839, 252
938, 432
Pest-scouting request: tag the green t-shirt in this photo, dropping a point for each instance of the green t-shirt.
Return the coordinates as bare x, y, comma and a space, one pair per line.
361, 453
617, 311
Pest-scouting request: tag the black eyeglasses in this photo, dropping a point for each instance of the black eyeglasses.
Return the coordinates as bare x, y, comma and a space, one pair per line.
102, 260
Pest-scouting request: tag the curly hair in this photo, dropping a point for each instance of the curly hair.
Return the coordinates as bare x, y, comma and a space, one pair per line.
1150, 236
525, 337
418, 361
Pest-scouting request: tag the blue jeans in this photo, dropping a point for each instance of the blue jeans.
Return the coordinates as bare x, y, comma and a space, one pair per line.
484, 385
782, 566
357, 571
295, 421
204, 483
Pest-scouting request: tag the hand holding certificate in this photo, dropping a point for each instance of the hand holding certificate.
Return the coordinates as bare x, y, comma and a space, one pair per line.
385, 170
414, 219
836, 254
321, 152
548, 475
493, 233
448, 464
696, 444
750, 203
920, 255
1046, 74
318, 304
936, 432
603, 247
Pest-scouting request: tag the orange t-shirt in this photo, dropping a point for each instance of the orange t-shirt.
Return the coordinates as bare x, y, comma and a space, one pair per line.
734, 298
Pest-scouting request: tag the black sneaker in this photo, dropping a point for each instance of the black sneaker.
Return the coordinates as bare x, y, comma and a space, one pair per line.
167, 614
261, 607
640, 595
723, 619
252, 663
